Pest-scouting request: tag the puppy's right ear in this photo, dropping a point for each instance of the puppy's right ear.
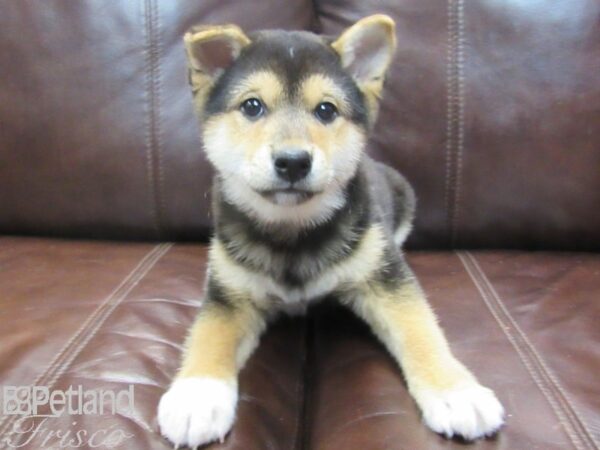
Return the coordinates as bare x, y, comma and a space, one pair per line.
210, 50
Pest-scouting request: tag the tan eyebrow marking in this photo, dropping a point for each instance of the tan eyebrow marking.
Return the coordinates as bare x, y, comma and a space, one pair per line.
263, 84
320, 88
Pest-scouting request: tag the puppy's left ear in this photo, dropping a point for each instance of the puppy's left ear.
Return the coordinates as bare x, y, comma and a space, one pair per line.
366, 50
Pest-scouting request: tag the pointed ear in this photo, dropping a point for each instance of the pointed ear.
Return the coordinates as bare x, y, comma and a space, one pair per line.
366, 50
211, 49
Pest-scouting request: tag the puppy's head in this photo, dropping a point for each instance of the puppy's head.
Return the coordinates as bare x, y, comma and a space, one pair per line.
285, 114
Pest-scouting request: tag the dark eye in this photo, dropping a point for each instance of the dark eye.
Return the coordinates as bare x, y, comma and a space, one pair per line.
252, 108
326, 112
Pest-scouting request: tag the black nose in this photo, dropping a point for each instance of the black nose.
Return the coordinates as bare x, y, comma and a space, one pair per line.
292, 165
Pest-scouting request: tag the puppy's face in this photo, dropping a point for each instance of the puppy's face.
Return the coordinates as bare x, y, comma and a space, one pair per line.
285, 114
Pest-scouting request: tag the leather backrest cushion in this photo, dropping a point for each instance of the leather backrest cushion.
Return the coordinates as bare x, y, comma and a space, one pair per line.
98, 136
492, 111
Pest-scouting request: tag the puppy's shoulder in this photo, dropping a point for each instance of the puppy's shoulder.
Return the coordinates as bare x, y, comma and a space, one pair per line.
392, 196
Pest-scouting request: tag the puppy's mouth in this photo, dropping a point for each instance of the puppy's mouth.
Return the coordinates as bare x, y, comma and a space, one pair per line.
289, 195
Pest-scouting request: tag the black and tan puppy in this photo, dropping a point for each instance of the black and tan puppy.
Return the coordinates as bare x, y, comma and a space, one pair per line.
300, 213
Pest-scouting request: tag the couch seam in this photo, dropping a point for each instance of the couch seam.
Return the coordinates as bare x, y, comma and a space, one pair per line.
539, 372
450, 58
460, 139
448, 115
298, 442
152, 94
158, 115
475, 277
455, 111
56, 360
568, 405
79, 340
164, 248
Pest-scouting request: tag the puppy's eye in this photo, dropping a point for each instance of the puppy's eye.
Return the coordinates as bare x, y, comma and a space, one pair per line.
326, 112
252, 108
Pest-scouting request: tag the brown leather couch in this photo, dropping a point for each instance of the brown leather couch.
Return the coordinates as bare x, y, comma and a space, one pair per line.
492, 111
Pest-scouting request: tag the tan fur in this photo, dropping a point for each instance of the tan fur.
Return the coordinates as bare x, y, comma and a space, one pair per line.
263, 84
405, 323
334, 139
252, 135
227, 272
201, 84
239, 131
220, 341
320, 88
286, 124
200, 406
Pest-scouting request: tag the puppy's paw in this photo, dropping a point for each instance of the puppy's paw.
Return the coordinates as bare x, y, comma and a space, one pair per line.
196, 411
470, 411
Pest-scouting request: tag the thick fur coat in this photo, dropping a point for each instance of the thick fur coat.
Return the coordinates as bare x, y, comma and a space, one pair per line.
301, 212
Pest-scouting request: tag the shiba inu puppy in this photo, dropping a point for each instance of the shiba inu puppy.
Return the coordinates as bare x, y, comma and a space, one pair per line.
302, 212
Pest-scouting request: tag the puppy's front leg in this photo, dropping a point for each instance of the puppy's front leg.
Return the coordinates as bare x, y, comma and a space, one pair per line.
449, 396
199, 407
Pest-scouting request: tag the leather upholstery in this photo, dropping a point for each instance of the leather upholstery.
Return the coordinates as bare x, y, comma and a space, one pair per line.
491, 111
98, 132
107, 315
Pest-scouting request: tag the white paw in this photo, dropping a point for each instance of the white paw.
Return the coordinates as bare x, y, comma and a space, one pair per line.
196, 411
471, 411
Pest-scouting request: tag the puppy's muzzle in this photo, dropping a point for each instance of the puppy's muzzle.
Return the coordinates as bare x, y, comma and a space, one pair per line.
292, 165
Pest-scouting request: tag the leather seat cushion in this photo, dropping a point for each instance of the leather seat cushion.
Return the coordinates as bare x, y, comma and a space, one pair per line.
110, 315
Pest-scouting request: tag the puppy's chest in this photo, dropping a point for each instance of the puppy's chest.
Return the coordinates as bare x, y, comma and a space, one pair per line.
292, 279
287, 278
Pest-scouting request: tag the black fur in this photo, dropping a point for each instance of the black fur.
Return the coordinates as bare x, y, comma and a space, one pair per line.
217, 295
271, 50
298, 255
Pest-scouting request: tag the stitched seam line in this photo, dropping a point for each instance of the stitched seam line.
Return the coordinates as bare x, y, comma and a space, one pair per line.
89, 329
487, 294
75, 337
449, 109
475, 277
460, 111
99, 316
157, 117
151, 138
299, 439
576, 420
455, 112
112, 305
